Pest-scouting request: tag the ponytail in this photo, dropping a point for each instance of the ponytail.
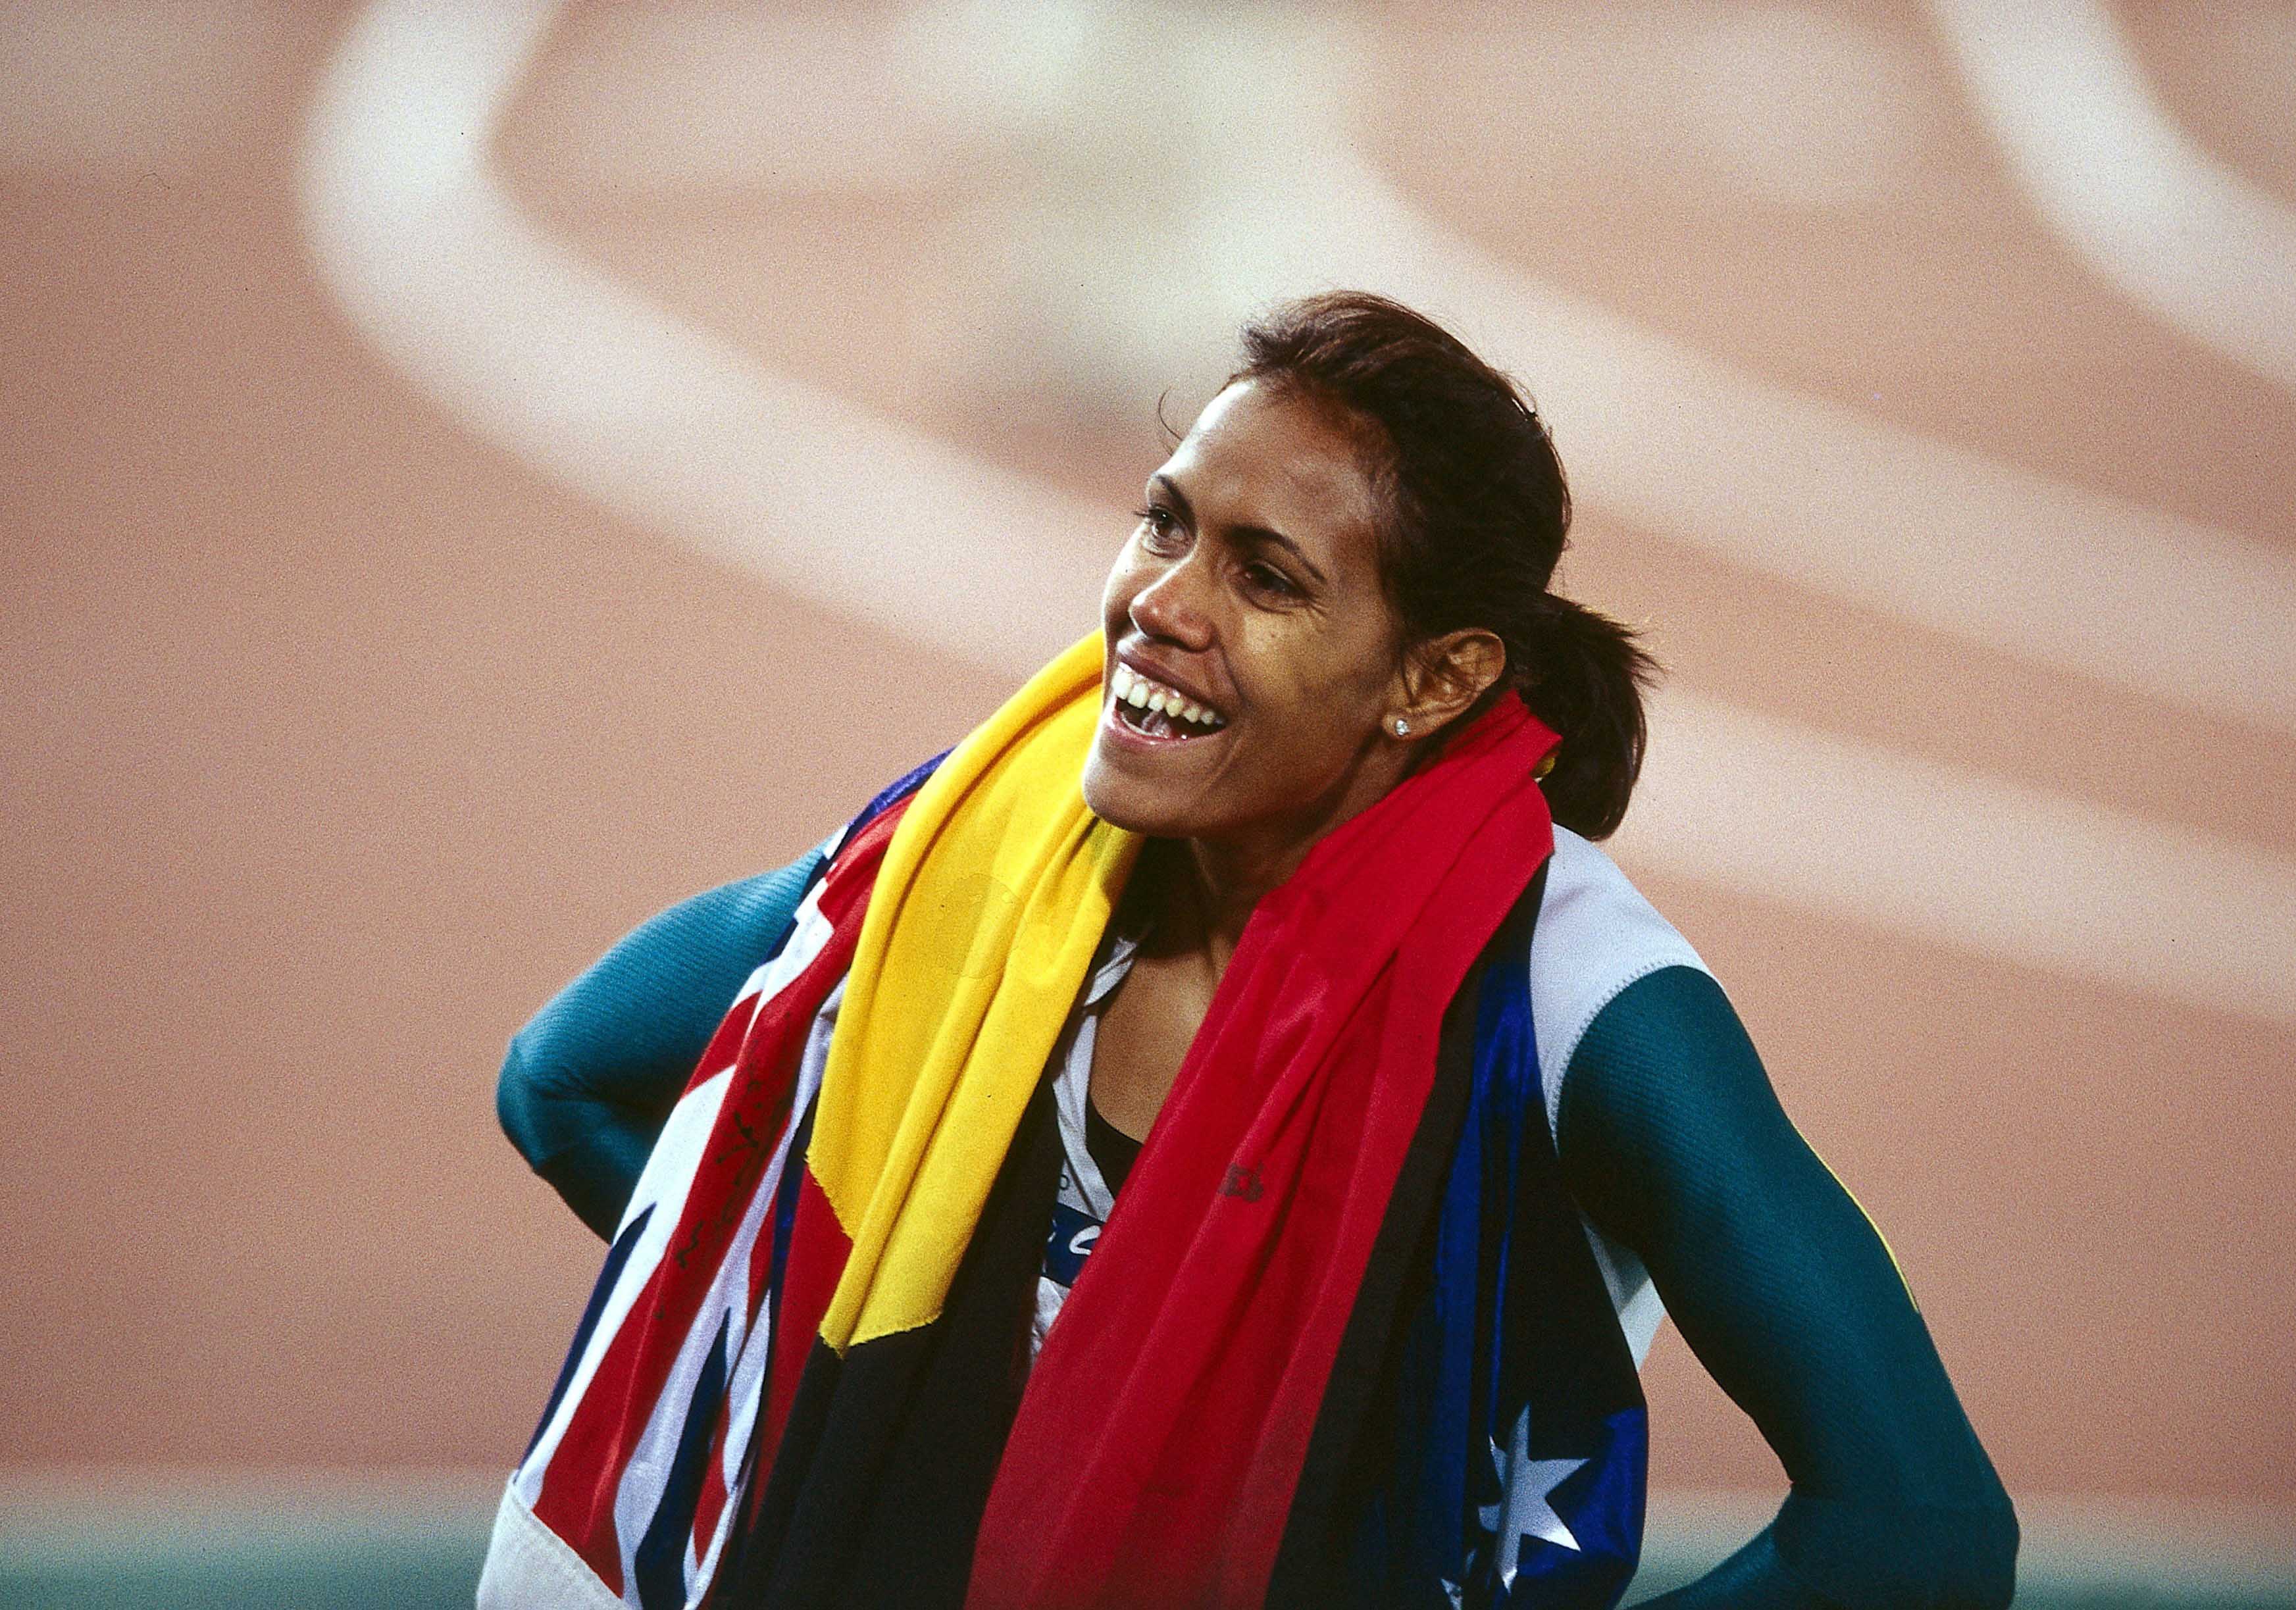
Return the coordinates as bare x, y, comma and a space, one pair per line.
1585, 680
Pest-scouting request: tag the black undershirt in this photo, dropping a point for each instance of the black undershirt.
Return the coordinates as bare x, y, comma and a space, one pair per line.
1113, 1152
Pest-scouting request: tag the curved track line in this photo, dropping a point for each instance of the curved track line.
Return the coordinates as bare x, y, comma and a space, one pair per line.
2135, 197
1971, 863
597, 388
1696, 449
542, 355
1803, 489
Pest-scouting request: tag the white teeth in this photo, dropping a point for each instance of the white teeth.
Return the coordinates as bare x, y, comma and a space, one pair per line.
1131, 688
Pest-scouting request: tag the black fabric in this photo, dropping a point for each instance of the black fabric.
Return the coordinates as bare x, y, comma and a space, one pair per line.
588, 1081
1113, 1152
1674, 1143
1670, 1138
1350, 1453
876, 1492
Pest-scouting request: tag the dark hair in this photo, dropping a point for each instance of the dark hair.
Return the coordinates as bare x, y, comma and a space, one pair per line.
1475, 511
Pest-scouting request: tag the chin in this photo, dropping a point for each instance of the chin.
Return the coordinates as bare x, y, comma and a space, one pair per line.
1121, 802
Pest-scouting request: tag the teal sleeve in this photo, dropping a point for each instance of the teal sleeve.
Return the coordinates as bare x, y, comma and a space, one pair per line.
587, 1083
1674, 1143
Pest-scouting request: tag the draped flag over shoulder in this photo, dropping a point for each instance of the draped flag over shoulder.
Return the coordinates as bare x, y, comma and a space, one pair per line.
1342, 1339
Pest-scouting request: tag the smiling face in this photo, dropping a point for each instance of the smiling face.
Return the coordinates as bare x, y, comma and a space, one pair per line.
1251, 586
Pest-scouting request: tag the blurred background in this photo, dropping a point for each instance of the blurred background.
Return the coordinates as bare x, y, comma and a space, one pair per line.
473, 475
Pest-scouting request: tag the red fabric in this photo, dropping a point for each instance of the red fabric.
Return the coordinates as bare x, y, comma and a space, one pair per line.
818, 1248
1162, 1435
818, 1244
727, 1043
579, 1489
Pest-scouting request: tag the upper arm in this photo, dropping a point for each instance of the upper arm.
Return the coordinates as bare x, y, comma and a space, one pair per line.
625, 1035
1674, 1143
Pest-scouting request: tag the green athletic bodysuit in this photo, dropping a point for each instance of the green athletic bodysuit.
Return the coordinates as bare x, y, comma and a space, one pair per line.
1671, 1140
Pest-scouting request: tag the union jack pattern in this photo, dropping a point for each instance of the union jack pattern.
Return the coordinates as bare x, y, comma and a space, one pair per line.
642, 1442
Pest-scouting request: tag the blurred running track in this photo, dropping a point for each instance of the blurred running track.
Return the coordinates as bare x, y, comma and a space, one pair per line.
476, 475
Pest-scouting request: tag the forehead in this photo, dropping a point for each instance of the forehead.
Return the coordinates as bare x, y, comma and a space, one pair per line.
1267, 456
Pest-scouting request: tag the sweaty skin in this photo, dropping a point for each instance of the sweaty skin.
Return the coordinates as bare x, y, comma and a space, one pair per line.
1671, 1140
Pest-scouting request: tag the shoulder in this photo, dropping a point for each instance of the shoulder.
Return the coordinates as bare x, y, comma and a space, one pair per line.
668, 980
1597, 934
729, 926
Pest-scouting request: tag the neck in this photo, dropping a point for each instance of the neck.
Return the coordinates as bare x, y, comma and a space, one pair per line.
1200, 893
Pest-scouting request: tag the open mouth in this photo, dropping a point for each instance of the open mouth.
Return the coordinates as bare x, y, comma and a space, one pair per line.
1151, 711
1156, 724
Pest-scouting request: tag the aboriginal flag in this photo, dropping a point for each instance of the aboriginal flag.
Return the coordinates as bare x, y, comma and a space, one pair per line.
1342, 1338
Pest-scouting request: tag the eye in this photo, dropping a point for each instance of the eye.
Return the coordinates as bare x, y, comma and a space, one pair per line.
1158, 524
1269, 578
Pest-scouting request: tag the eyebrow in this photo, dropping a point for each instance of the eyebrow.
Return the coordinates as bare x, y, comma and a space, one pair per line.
1261, 533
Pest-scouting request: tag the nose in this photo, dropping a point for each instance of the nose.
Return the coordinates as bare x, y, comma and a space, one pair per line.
1171, 606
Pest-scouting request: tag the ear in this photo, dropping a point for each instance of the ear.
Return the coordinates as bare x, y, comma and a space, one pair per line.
1446, 674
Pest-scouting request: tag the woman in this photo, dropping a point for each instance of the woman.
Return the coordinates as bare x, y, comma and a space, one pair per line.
1221, 1134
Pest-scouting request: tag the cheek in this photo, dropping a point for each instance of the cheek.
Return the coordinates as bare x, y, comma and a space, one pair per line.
1339, 688
1305, 685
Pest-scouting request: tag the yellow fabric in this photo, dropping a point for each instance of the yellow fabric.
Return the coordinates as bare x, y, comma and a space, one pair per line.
986, 911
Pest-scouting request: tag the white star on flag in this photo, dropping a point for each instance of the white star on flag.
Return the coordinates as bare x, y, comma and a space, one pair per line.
1523, 1509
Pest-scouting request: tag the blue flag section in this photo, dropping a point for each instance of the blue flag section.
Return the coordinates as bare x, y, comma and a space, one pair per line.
1520, 1450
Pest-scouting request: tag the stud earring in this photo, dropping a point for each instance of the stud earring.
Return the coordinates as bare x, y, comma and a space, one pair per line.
1401, 726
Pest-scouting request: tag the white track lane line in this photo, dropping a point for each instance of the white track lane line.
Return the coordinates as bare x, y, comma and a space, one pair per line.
1976, 863
538, 352
2135, 197
1688, 446
1803, 489
590, 383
